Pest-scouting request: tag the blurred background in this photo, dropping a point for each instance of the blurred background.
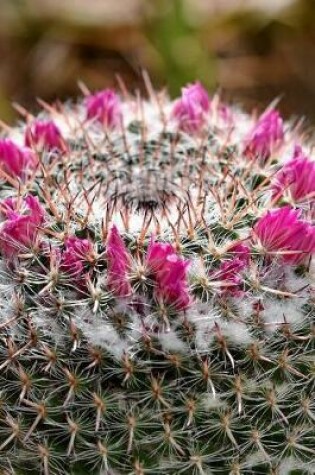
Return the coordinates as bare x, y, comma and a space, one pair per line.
251, 50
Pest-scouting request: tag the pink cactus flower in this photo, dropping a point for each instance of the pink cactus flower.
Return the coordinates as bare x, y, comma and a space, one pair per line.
230, 271
240, 251
19, 232
16, 161
266, 136
170, 273
283, 233
197, 94
118, 265
190, 110
77, 252
105, 107
9, 206
36, 209
45, 135
157, 254
296, 179
230, 274
172, 283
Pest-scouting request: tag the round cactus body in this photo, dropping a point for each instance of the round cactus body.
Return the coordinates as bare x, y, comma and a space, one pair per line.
157, 289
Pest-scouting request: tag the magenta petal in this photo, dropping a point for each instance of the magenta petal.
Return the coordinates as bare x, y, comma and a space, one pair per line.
105, 107
157, 254
282, 230
266, 135
190, 110
16, 161
20, 230
118, 265
77, 252
296, 177
230, 270
45, 135
170, 274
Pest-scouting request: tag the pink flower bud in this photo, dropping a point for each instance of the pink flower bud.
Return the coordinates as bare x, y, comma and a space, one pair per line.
282, 232
266, 136
45, 135
229, 273
230, 270
105, 107
77, 252
191, 109
240, 251
296, 179
118, 265
36, 209
16, 161
157, 254
9, 206
170, 273
19, 233
172, 283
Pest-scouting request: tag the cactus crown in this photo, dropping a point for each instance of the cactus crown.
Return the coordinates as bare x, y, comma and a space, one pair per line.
157, 296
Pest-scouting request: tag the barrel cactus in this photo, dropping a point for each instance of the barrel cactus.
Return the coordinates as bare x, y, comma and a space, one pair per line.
157, 288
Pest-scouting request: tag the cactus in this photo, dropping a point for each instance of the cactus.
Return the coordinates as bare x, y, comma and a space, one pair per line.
157, 289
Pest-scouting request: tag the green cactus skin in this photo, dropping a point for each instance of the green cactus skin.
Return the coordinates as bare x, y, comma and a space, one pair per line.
91, 383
